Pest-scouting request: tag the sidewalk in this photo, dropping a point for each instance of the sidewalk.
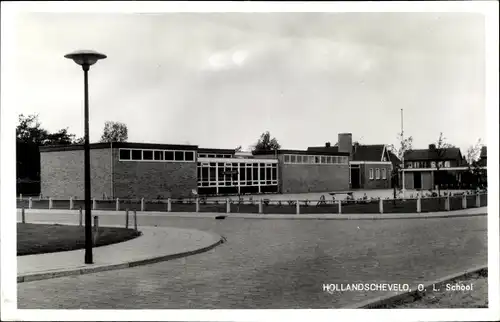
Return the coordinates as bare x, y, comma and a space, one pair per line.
154, 245
443, 214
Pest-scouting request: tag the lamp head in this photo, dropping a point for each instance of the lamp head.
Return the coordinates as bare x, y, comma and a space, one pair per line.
85, 57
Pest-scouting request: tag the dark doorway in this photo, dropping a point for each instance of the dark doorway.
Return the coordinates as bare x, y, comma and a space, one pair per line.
417, 180
355, 184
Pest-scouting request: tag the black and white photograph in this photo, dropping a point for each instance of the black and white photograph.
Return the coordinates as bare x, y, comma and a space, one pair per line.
242, 161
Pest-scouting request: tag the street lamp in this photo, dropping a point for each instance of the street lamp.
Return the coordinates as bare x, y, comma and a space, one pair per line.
86, 58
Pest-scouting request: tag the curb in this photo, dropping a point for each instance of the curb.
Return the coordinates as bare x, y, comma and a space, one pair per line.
385, 302
103, 268
361, 217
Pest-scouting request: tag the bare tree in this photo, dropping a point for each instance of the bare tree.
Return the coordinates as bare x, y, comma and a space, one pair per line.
440, 150
473, 153
404, 145
475, 171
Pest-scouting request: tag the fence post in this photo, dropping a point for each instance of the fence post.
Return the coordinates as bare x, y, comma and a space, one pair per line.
297, 206
197, 204
135, 220
94, 204
81, 217
23, 216
228, 206
96, 229
40, 197
70, 203
419, 203
260, 206
126, 218
464, 201
478, 200
117, 204
169, 205
30, 203
447, 203
381, 205
50, 203
340, 206
20, 196
142, 204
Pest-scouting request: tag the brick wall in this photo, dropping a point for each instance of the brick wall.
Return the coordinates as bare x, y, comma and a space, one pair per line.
368, 183
142, 179
299, 178
62, 172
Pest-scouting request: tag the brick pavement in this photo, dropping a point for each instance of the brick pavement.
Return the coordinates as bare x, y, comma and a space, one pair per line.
275, 264
159, 243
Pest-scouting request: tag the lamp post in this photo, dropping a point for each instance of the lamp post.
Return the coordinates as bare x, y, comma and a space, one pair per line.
86, 58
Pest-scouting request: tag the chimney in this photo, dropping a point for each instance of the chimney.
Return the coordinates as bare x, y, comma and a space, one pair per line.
345, 143
432, 147
328, 144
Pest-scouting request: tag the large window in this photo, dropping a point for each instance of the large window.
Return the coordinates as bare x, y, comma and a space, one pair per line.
156, 155
371, 173
384, 173
377, 174
314, 159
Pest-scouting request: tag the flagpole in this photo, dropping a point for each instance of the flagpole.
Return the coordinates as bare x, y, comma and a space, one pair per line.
402, 157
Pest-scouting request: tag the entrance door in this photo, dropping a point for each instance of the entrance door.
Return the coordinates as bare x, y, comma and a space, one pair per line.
417, 180
355, 178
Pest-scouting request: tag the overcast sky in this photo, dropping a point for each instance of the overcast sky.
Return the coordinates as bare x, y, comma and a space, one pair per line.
219, 80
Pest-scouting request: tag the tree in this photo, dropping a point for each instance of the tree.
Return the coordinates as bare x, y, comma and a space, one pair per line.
266, 143
114, 132
404, 145
440, 149
473, 152
475, 175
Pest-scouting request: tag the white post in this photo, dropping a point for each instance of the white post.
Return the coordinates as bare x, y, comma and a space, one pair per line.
40, 197
117, 204
228, 206
94, 204
419, 203
142, 204
464, 201
70, 203
260, 206
30, 203
96, 229
478, 200
20, 196
135, 220
447, 203
50, 203
381, 205
340, 206
298, 207
197, 204
169, 205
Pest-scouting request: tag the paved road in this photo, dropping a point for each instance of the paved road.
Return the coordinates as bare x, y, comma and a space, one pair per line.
274, 264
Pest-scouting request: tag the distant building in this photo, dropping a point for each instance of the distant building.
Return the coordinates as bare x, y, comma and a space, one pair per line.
370, 166
421, 168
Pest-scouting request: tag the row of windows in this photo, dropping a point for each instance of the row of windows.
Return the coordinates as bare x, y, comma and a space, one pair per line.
204, 155
315, 159
156, 155
377, 174
232, 173
425, 164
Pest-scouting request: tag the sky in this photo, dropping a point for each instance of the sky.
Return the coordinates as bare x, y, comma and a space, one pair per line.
221, 79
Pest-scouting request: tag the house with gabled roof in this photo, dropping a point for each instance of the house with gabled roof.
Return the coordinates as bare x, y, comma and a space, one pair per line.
370, 166
427, 168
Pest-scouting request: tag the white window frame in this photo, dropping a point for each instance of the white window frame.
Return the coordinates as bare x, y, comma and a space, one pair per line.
370, 172
446, 164
384, 174
377, 173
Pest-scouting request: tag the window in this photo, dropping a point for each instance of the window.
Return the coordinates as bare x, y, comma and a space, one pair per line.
416, 165
323, 160
287, 158
169, 155
440, 163
384, 173
136, 154
179, 155
433, 164
447, 164
124, 154
274, 174
377, 173
371, 174
203, 155
189, 155
147, 155
158, 155
268, 174
212, 174
204, 174
305, 159
293, 158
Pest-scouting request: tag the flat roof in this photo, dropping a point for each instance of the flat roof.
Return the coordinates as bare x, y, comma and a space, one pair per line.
302, 152
122, 145
216, 151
